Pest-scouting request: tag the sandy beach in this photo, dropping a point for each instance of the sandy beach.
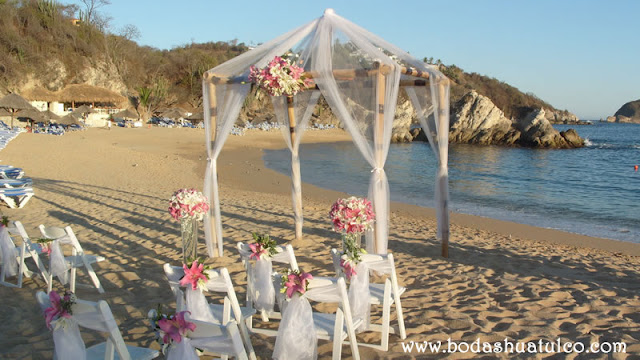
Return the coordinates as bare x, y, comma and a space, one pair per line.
502, 280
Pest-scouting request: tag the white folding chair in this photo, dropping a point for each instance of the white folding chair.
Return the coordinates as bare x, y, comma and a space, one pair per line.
78, 258
285, 255
26, 250
336, 327
384, 294
224, 340
98, 316
219, 281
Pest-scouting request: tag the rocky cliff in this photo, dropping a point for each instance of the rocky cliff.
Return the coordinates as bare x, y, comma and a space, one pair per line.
628, 113
476, 120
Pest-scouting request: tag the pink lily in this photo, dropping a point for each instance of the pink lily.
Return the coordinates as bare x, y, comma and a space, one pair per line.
193, 275
349, 269
297, 283
256, 251
175, 328
55, 311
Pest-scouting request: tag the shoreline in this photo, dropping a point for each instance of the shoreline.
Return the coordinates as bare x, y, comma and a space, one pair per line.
506, 228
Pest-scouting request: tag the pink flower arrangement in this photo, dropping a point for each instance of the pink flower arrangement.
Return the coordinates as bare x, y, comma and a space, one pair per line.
194, 276
295, 282
263, 247
175, 327
279, 77
60, 307
348, 266
188, 203
352, 215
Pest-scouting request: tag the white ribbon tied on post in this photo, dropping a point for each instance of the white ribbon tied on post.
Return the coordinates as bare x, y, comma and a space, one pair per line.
8, 251
182, 350
67, 340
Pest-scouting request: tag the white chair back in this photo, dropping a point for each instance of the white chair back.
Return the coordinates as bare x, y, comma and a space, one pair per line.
78, 257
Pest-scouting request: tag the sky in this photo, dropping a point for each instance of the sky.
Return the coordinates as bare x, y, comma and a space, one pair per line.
579, 55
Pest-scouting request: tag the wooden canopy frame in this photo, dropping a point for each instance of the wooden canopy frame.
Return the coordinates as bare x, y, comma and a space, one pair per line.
211, 80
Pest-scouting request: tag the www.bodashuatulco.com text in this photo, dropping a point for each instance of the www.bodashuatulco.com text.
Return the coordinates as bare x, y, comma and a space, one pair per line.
513, 347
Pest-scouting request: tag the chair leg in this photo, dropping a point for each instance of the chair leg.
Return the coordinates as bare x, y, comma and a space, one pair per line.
399, 314
386, 310
72, 280
338, 328
94, 277
21, 268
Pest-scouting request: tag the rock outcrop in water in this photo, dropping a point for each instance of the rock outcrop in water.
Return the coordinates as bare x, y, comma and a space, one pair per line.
476, 120
628, 113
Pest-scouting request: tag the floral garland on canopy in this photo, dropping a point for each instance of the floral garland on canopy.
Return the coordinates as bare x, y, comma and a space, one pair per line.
279, 77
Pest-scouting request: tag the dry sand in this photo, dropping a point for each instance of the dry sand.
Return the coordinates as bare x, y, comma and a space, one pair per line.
503, 280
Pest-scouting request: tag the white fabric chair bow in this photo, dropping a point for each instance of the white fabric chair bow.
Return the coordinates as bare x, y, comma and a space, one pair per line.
65, 267
196, 303
296, 337
95, 316
385, 294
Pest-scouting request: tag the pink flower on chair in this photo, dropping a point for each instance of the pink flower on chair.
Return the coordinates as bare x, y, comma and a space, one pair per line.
60, 307
194, 275
348, 267
175, 328
297, 283
257, 251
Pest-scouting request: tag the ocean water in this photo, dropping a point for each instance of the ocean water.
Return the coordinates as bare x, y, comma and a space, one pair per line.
592, 191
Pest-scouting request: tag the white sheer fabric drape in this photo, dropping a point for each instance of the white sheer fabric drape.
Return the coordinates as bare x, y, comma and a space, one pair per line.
228, 101
433, 115
365, 104
259, 281
8, 253
303, 106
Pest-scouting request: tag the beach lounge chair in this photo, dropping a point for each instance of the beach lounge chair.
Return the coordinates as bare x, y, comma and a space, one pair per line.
219, 281
16, 198
78, 258
385, 294
224, 340
98, 316
10, 172
15, 183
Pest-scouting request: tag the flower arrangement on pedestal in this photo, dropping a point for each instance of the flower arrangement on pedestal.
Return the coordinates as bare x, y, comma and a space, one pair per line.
189, 206
351, 217
279, 77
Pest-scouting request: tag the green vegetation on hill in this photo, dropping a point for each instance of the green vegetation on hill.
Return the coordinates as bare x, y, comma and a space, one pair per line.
38, 38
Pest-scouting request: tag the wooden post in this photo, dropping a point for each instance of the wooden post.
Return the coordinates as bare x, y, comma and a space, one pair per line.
295, 167
443, 135
213, 118
379, 131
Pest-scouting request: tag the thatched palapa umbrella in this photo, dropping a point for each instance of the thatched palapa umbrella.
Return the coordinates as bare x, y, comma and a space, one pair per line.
174, 113
34, 115
39, 94
49, 115
69, 119
14, 103
127, 114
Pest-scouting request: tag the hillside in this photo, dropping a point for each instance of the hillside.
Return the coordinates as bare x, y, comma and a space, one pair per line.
41, 45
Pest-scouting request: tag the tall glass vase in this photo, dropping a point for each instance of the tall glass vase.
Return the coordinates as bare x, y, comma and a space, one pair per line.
189, 229
351, 239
